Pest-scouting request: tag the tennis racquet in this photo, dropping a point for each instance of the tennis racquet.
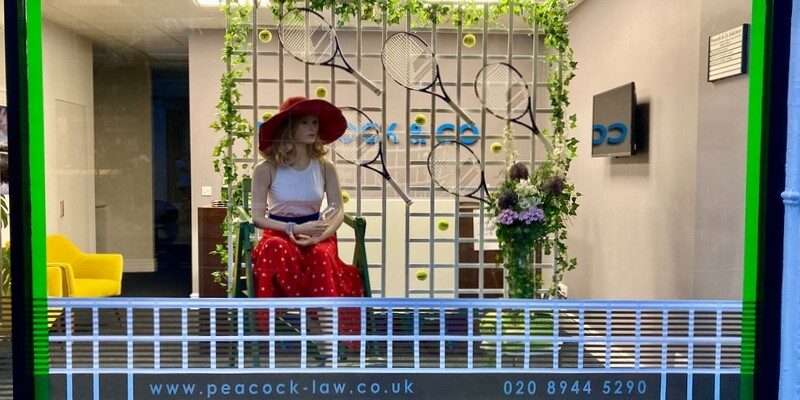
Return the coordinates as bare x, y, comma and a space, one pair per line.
412, 64
505, 94
456, 169
311, 39
361, 145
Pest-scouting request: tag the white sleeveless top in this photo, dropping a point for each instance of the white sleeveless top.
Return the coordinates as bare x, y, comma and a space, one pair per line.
296, 193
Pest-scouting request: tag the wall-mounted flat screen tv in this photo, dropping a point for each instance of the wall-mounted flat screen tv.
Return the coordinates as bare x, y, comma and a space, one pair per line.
613, 122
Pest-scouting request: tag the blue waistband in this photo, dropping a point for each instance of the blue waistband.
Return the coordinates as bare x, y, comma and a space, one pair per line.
297, 220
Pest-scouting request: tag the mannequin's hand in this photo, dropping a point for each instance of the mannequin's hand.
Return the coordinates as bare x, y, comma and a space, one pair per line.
305, 240
312, 228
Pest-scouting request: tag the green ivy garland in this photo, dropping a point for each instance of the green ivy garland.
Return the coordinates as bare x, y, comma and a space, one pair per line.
230, 121
549, 15
552, 16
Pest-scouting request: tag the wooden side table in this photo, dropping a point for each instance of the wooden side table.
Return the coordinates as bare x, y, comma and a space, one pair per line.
209, 233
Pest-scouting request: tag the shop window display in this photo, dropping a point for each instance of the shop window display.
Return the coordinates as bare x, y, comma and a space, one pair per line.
481, 238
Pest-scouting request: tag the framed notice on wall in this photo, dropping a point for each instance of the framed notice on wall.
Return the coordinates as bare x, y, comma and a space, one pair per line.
727, 53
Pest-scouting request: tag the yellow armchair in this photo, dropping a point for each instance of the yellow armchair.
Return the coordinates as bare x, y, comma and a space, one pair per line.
85, 275
55, 281
55, 288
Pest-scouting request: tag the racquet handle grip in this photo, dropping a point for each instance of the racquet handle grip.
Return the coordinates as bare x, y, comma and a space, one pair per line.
460, 112
399, 190
368, 83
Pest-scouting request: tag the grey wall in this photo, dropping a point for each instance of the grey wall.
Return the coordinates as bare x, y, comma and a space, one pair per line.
124, 184
634, 233
721, 159
665, 223
68, 102
69, 134
205, 69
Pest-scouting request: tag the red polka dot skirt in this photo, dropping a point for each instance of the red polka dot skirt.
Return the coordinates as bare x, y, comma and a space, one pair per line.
283, 269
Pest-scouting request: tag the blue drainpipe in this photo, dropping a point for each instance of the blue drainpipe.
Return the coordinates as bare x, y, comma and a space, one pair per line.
790, 307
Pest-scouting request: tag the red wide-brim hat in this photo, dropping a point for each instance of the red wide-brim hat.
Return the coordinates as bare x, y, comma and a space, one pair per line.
331, 121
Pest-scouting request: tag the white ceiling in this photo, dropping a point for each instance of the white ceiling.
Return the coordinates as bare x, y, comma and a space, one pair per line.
123, 29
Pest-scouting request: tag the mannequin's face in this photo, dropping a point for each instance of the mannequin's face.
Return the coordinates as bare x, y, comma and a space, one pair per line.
307, 128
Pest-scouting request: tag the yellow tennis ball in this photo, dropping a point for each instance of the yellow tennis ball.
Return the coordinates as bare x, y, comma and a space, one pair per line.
420, 119
422, 274
345, 197
469, 40
265, 36
267, 115
321, 92
497, 147
443, 225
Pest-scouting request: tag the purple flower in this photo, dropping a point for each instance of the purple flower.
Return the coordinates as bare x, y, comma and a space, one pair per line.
507, 217
531, 215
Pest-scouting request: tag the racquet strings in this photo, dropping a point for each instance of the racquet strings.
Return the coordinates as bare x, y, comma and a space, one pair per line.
502, 91
455, 169
307, 36
409, 61
361, 140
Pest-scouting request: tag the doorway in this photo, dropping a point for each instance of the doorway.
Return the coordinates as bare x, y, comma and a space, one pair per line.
171, 183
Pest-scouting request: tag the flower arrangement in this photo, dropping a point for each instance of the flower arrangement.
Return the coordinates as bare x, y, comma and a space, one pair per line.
526, 207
